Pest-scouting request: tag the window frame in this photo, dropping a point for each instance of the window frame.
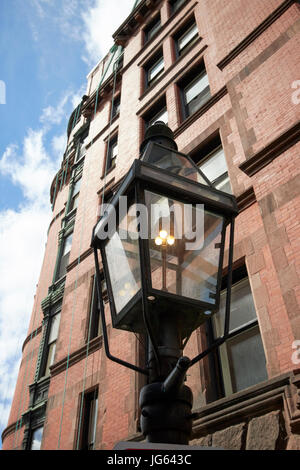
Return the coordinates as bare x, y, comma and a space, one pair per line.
94, 326
219, 387
116, 106
74, 198
173, 7
187, 82
152, 28
148, 67
45, 364
64, 256
155, 111
32, 431
183, 32
220, 178
83, 427
110, 163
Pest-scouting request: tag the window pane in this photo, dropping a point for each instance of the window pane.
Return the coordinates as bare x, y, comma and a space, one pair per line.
54, 328
242, 310
152, 29
76, 188
92, 423
246, 359
67, 244
50, 358
190, 34
175, 4
223, 184
36, 439
215, 165
116, 106
196, 87
156, 69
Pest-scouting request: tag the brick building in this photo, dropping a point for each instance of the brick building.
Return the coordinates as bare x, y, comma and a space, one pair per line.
225, 77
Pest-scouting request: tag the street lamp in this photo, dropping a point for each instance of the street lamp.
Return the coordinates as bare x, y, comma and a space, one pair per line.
162, 242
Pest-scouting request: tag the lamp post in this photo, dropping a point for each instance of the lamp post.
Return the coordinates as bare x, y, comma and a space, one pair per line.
162, 242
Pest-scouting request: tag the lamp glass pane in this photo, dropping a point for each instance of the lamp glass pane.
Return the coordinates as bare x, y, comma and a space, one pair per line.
172, 161
123, 260
189, 266
186, 185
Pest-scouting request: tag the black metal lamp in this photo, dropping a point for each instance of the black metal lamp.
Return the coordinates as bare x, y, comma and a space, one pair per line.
162, 242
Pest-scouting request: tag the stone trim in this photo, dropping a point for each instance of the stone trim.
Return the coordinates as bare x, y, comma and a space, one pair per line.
9, 430
260, 29
246, 199
275, 148
136, 17
32, 335
79, 259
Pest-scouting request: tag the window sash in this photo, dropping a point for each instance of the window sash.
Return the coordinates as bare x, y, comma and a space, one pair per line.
36, 438
155, 70
175, 5
95, 325
67, 244
244, 334
152, 29
64, 259
214, 167
162, 115
243, 361
50, 358
55, 320
87, 432
196, 94
116, 106
187, 38
112, 154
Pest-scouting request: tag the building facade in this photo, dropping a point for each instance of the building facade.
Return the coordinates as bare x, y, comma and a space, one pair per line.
225, 78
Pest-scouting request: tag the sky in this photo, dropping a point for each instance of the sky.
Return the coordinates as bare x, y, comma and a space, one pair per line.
47, 48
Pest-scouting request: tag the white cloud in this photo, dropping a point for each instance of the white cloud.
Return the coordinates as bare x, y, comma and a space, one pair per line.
23, 233
100, 22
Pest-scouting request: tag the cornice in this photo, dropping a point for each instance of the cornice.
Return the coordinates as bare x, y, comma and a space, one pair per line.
76, 356
136, 17
271, 151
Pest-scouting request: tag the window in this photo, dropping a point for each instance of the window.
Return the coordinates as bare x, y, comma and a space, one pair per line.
186, 38
211, 160
75, 195
116, 106
158, 112
95, 325
152, 28
81, 150
64, 259
112, 153
241, 358
195, 92
87, 433
175, 5
154, 69
51, 343
36, 438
